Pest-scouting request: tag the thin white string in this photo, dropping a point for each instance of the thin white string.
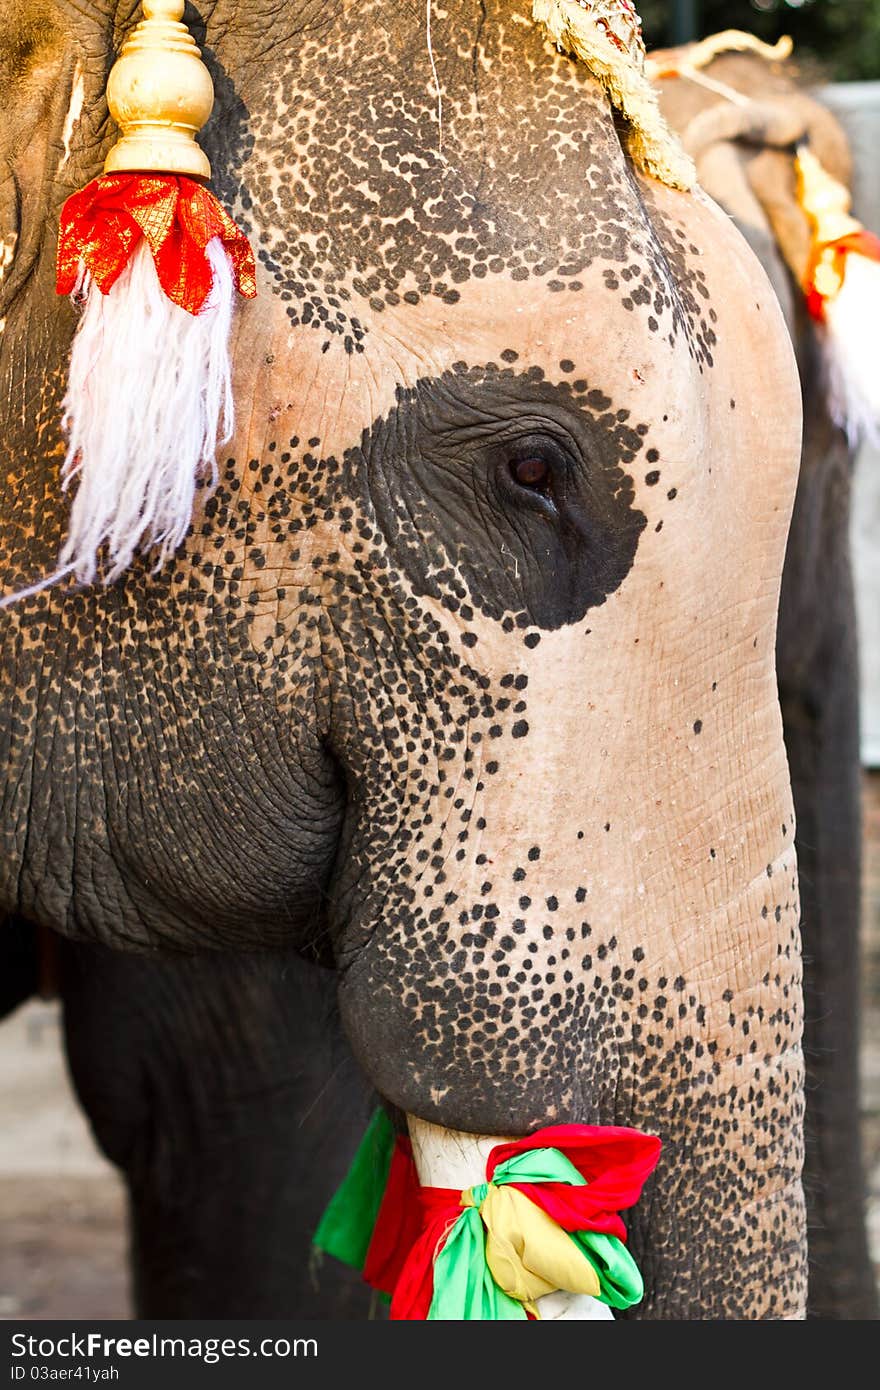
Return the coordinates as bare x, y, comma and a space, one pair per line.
436, 79
37, 588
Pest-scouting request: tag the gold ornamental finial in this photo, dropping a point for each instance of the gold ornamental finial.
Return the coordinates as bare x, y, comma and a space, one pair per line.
825, 201
160, 95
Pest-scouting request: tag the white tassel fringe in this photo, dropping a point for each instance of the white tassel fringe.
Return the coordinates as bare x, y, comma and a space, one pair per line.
149, 399
852, 324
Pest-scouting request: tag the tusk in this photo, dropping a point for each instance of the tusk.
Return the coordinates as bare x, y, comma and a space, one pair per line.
452, 1158
449, 1157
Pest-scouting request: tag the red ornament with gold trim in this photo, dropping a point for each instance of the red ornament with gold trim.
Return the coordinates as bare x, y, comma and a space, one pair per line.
154, 262
842, 289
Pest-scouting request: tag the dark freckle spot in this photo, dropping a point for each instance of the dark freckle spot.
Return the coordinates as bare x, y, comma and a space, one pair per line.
491, 767
552, 904
698, 726
652, 455
519, 875
659, 526
711, 853
532, 639
469, 639
580, 834
535, 853
608, 825
566, 365
520, 728
714, 685
732, 403
508, 355
652, 478
672, 493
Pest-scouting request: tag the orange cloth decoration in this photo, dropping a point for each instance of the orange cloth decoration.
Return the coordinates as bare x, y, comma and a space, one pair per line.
102, 225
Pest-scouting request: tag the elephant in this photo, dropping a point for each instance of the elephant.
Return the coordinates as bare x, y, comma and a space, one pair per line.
462, 687
184, 1075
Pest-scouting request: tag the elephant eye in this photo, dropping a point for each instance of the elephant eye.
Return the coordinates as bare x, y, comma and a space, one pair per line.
531, 472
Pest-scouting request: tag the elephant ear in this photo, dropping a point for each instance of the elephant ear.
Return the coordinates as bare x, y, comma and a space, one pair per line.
31, 61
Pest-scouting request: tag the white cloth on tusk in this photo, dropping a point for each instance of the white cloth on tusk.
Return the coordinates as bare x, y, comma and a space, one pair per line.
149, 399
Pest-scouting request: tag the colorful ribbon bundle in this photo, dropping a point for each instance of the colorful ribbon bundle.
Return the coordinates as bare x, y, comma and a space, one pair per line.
842, 288
154, 263
836, 235
545, 1218
102, 227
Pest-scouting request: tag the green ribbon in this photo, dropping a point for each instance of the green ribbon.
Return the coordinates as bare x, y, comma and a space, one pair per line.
346, 1227
463, 1284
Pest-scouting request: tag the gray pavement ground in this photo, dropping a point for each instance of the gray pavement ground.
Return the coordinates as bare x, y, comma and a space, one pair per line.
62, 1206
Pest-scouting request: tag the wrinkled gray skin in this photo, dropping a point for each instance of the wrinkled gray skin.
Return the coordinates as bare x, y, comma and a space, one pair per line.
464, 681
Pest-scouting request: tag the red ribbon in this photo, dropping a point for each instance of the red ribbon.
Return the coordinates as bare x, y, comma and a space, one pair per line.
414, 1221
863, 243
102, 225
398, 1223
614, 1160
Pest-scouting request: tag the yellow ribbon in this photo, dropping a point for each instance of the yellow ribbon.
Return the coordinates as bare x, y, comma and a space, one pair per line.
527, 1253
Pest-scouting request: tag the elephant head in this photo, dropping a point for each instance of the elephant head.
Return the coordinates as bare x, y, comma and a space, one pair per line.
464, 678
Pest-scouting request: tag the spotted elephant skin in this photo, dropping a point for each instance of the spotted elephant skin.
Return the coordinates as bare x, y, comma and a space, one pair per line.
816, 658
464, 680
